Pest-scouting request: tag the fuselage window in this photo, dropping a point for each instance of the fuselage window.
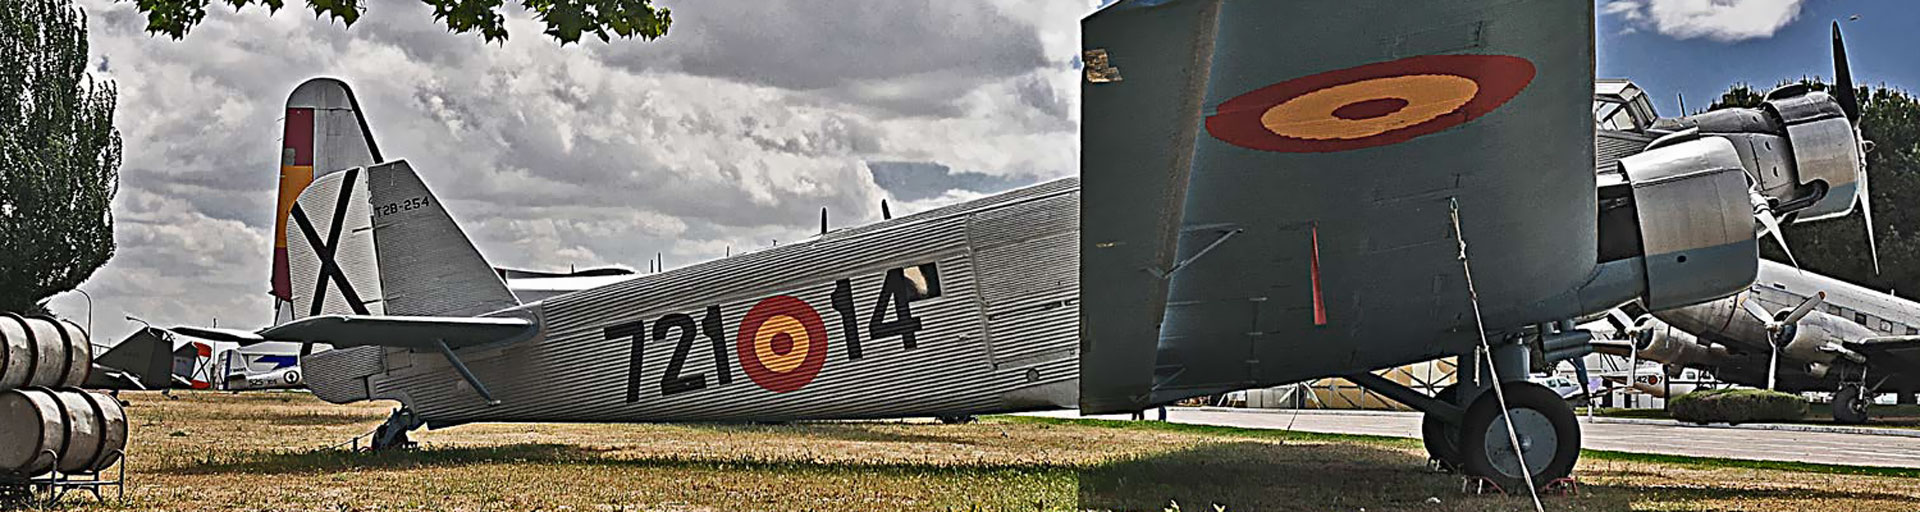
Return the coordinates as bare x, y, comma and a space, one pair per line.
1911, 331
1886, 326
1833, 310
1860, 318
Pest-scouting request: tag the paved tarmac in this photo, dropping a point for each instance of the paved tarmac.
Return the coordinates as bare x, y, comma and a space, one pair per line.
1852, 449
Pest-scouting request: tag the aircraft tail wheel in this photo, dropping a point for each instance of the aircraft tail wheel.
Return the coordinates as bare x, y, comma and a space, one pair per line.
1442, 439
1850, 404
1548, 431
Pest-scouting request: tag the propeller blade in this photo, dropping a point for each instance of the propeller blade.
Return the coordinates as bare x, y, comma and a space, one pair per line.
823, 220
1804, 308
1754, 308
1866, 210
885, 214
1771, 226
1620, 322
1843, 78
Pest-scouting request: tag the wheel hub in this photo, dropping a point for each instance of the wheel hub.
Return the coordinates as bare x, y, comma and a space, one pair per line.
1536, 438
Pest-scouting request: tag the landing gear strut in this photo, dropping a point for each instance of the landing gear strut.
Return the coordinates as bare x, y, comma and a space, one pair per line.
1850, 404
1465, 428
393, 434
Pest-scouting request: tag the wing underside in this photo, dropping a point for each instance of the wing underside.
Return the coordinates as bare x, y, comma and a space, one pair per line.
1269, 186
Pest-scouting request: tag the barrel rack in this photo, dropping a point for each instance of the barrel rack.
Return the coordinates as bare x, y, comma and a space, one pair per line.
47, 490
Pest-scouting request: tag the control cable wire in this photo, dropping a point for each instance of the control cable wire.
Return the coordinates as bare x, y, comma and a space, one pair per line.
1498, 392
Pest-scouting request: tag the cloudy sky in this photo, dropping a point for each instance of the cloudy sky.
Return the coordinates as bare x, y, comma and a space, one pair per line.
730, 132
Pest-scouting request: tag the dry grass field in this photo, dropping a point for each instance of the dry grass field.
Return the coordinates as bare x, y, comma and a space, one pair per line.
267, 451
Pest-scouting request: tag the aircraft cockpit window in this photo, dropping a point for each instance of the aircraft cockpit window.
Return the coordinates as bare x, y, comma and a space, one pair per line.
1642, 110
1860, 318
1913, 331
1607, 113
924, 279
1834, 310
1886, 326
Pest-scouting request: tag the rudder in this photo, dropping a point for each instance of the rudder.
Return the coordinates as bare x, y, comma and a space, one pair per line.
375, 241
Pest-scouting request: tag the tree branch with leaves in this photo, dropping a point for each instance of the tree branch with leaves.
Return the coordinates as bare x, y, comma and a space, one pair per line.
566, 20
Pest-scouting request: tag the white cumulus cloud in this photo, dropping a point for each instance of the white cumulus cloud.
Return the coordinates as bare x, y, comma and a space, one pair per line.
1719, 20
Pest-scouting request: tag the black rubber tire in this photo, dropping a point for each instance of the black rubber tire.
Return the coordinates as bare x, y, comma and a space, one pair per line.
1484, 420
956, 419
1442, 439
1850, 405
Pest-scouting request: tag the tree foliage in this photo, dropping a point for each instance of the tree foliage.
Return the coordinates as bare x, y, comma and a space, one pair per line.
1891, 119
566, 20
59, 155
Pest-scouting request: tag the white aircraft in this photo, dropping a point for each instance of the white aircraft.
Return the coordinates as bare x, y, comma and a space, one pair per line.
1792, 331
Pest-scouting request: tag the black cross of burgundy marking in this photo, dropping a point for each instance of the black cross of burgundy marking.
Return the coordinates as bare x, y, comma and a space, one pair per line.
330, 269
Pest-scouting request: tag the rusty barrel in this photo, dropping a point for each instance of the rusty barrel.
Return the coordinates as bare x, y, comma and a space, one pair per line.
81, 430
42, 351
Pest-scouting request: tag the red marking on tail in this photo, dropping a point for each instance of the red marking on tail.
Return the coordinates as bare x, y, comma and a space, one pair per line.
1319, 302
298, 137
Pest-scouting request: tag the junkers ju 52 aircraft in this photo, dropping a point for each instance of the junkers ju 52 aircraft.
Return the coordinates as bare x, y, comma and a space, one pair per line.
1262, 201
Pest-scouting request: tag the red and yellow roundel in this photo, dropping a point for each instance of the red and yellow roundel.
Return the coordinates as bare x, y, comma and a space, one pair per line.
782, 343
1371, 105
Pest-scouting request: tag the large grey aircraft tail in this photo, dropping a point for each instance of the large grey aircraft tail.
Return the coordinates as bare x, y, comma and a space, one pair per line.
374, 241
325, 132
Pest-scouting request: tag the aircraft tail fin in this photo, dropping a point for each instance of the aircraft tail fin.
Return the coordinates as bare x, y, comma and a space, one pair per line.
325, 132
374, 241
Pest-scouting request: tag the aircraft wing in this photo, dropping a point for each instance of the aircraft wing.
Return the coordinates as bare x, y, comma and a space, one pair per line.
1267, 187
1890, 350
413, 332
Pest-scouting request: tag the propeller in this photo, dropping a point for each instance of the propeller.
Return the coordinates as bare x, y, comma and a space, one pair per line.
1780, 324
1638, 330
1849, 100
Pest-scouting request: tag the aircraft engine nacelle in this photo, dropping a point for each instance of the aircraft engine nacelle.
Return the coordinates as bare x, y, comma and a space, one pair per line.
1799, 148
1818, 338
1690, 210
1677, 348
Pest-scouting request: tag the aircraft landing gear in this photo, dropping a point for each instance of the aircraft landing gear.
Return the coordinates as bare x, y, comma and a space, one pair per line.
1548, 434
393, 434
1850, 404
1441, 437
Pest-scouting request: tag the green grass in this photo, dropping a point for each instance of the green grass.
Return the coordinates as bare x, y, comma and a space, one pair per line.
264, 452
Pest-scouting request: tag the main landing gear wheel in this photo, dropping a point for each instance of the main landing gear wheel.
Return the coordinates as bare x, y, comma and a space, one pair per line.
1549, 436
1442, 438
1850, 404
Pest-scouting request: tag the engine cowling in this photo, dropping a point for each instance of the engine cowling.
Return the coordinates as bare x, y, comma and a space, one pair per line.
1691, 221
1819, 339
1798, 147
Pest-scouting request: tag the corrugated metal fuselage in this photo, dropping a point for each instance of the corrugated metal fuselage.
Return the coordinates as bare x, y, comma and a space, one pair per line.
986, 290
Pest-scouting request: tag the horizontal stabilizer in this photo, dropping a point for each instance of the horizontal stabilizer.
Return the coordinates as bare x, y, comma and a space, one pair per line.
412, 332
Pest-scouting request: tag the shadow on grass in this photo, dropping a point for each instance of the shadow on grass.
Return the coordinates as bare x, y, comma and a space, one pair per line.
849, 431
1239, 474
1251, 475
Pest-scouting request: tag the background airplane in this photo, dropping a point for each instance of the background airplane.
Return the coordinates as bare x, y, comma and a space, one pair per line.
1793, 331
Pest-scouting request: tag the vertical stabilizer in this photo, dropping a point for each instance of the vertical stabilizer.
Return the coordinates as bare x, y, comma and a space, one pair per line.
375, 241
324, 133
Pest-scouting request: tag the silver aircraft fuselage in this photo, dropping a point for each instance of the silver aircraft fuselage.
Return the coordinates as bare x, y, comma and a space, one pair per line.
1848, 313
967, 309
